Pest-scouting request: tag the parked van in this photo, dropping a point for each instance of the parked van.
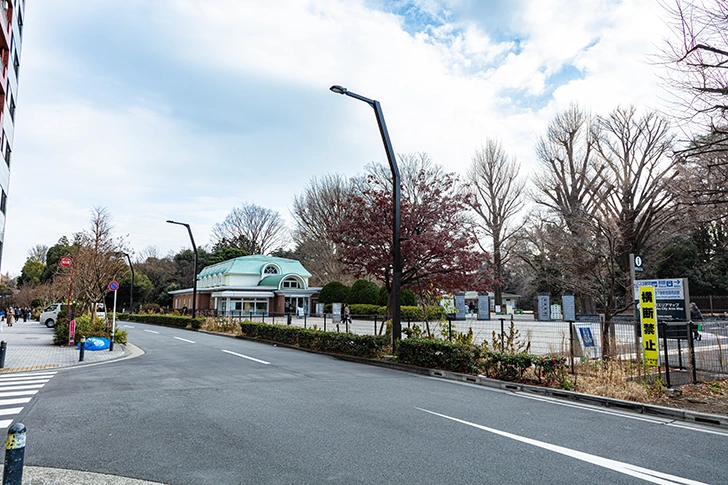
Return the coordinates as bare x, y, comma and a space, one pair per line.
49, 316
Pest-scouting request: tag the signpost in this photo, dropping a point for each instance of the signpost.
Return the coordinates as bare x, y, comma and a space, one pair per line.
648, 319
65, 262
113, 286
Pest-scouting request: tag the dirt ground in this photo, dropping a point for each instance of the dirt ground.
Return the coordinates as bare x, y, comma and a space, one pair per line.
710, 398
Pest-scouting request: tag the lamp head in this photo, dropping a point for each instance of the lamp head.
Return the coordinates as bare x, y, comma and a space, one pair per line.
338, 89
171, 222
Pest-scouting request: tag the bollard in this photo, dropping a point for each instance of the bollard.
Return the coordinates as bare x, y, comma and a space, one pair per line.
3, 350
502, 337
82, 348
14, 455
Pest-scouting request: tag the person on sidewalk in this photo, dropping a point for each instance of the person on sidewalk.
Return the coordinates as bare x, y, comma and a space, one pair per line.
11, 316
696, 317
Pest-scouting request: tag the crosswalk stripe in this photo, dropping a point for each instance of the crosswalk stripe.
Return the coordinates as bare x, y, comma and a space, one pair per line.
20, 400
18, 393
19, 389
28, 381
27, 375
9, 411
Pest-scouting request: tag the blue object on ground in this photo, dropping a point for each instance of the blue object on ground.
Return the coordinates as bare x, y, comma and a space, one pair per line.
95, 343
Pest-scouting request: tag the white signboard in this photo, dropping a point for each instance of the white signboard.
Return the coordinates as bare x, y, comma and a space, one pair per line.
671, 289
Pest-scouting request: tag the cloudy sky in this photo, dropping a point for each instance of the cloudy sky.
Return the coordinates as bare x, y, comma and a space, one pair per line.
181, 109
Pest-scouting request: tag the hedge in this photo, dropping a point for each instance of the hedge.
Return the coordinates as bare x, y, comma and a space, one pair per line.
412, 313
438, 354
341, 343
166, 320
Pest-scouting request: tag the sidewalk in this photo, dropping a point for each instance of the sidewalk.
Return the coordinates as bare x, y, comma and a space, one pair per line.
30, 348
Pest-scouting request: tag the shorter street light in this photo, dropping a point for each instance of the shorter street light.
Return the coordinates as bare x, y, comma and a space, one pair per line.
396, 240
194, 277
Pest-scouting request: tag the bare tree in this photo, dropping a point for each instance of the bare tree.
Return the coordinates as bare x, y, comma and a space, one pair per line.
497, 197
638, 170
97, 259
569, 181
317, 211
38, 253
250, 227
695, 58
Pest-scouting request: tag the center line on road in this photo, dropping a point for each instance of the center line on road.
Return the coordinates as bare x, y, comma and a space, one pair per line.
618, 466
151, 331
246, 357
185, 340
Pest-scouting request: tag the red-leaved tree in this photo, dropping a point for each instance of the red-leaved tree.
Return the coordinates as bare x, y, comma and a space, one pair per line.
439, 250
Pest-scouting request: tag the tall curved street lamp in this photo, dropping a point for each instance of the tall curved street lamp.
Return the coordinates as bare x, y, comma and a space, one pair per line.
194, 280
396, 240
131, 293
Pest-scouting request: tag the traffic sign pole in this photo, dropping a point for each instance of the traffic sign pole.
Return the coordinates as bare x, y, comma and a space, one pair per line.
113, 286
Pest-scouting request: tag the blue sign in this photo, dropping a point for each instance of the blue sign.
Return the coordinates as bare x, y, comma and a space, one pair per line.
113, 286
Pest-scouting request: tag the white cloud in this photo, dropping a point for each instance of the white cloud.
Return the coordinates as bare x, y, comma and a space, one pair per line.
166, 110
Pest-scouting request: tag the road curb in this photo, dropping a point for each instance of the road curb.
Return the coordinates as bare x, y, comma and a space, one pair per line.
637, 407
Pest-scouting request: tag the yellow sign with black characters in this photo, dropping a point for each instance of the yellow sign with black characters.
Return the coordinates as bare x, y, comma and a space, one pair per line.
648, 318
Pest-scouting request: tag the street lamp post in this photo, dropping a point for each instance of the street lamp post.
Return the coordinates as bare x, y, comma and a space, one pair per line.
396, 239
194, 281
131, 293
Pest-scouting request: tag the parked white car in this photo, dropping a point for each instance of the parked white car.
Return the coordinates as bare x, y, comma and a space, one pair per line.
49, 316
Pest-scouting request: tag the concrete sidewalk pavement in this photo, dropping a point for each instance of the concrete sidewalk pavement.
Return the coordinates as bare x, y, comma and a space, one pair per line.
30, 347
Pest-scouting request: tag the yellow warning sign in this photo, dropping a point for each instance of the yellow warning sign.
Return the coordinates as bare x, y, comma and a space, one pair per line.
648, 319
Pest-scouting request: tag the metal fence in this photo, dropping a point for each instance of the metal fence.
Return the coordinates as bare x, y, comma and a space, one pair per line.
688, 359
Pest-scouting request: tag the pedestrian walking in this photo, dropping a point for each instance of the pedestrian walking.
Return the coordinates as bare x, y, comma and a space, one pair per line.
11, 316
347, 315
695, 317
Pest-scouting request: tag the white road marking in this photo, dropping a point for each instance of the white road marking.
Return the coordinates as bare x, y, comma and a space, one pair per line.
20, 388
9, 411
15, 377
151, 331
185, 340
246, 357
18, 393
20, 400
646, 474
697, 428
625, 414
129, 326
5, 423
588, 407
17, 382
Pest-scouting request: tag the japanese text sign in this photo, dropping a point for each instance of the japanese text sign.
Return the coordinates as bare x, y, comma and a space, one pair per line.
648, 319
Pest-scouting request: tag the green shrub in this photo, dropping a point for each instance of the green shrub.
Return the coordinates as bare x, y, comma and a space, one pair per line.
408, 298
167, 320
341, 343
506, 366
366, 309
383, 297
363, 292
333, 292
86, 328
551, 370
438, 354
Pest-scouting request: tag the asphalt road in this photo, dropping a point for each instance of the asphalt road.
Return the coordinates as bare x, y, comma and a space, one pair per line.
203, 409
